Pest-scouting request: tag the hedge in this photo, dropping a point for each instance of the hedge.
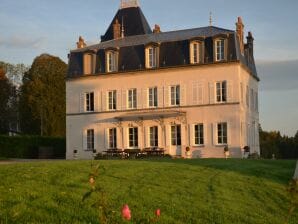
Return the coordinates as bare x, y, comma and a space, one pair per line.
27, 147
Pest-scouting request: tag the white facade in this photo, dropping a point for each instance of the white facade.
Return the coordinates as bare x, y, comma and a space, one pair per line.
213, 96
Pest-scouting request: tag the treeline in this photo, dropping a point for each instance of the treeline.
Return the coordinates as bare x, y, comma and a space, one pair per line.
273, 145
32, 99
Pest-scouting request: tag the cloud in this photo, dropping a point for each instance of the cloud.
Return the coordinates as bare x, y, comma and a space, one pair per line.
278, 75
22, 42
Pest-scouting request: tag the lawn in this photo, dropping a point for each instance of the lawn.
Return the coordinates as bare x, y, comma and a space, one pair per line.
186, 191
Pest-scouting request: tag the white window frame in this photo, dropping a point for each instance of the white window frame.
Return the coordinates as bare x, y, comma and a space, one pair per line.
221, 91
222, 133
90, 139
195, 52
220, 49
132, 99
153, 97
133, 141
151, 55
153, 136
199, 134
89, 64
112, 138
175, 95
111, 61
175, 141
112, 100
89, 101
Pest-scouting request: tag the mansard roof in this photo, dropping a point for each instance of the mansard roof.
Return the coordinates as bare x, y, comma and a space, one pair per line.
133, 21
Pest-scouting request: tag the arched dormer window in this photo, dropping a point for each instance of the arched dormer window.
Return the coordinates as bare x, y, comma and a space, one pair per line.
220, 48
89, 63
111, 60
152, 55
196, 49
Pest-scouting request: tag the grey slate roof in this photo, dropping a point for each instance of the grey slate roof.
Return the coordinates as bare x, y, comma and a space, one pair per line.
171, 36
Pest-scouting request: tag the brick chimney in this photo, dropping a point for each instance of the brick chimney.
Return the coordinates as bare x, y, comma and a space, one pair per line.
240, 33
117, 29
81, 43
250, 44
156, 29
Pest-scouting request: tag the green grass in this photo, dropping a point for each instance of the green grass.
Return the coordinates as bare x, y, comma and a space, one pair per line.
186, 191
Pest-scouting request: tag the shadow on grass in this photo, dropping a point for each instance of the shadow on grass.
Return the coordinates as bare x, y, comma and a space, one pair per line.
279, 171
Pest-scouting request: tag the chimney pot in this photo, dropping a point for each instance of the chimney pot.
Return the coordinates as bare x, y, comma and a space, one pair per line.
156, 29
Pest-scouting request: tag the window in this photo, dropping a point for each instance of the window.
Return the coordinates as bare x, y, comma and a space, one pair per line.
153, 136
175, 95
176, 135
89, 102
88, 64
199, 134
222, 137
133, 137
132, 99
221, 92
112, 100
90, 139
195, 52
151, 57
153, 97
113, 138
111, 61
220, 50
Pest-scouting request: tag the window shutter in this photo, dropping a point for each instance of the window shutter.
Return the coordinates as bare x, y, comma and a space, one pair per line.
214, 133
200, 93
229, 133
183, 135
98, 99
124, 100
145, 98
139, 99
229, 91
161, 139
118, 103
84, 139
205, 134
168, 137
195, 93
167, 96
160, 97
96, 106
104, 100
191, 134
211, 93
82, 103
182, 94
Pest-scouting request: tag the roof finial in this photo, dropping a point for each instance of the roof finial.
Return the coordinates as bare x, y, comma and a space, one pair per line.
129, 4
210, 19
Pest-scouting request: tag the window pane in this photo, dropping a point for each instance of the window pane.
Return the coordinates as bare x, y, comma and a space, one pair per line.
173, 135
177, 95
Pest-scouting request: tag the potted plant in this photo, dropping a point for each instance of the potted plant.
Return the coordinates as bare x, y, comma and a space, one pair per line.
226, 152
187, 152
246, 151
75, 154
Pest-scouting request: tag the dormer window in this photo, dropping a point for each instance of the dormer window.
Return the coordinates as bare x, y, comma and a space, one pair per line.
219, 49
89, 64
196, 52
151, 56
112, 61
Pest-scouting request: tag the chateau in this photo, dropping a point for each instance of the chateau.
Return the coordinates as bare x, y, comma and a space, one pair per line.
141, 88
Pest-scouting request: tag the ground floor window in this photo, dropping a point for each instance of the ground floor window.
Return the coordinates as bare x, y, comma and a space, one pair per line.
153, 136
199, 134
222, 136
133, 137
90, 139
113, 138
176, 135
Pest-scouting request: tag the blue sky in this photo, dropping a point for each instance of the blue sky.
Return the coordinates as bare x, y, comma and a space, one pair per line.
31, 27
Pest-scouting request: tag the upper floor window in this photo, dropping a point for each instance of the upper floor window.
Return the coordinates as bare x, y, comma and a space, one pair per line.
113, 138
89, 102
175, 95
222, 133
220, 49
112, 61
221, 92
151, 57
132, 99
199, 134
133, 137
89, 64
90, 139
112, 100
153, 97
195, 52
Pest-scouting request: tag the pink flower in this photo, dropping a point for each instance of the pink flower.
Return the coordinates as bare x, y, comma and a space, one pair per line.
126, 212
157, 212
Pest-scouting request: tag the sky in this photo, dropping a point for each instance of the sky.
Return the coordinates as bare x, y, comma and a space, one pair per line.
29, 28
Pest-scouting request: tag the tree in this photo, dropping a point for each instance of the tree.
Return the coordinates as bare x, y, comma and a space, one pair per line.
5, 92
42, 103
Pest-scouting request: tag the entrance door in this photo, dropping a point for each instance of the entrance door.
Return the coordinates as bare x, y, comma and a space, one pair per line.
176, 140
